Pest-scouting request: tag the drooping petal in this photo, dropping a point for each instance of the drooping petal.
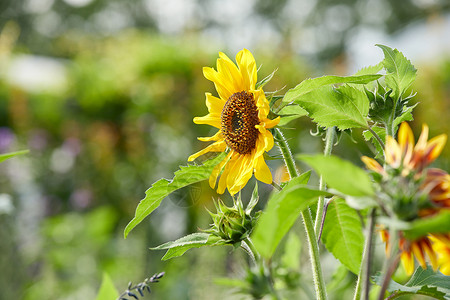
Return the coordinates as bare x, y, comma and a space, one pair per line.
418, 253
216, 171
422, 141
247, 67
271, 123
407, 262
215, 147
262, 171
426, 245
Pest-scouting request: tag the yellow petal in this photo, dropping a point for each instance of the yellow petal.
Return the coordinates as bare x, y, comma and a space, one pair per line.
268, 123
223, 88
392, 152
406, 141
216, 171
231, 73
418, 253
422, 141
247, 67
215, 147
407, 262
372, 164
209, 119
262, 171
216, 137
434, 147
433, 258
215, 105
240, 173
223, 178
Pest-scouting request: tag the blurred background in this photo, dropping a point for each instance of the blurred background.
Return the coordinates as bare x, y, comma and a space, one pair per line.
103, 92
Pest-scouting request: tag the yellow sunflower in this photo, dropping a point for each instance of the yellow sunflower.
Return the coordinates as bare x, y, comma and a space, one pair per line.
240, 113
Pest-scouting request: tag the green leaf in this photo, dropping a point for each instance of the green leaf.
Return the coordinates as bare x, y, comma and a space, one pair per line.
6, 156
370, 70
406, 115
308, 85
400, 72
340, 174
282, 209
107, 289
423, 282
291, 255
434, 224
187, 175
342, 234
344, 107
180, 246
293, 110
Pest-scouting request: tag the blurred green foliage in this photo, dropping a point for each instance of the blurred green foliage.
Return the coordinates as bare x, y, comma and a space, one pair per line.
120, 120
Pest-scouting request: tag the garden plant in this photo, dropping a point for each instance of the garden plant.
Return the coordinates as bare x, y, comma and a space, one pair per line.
394, 197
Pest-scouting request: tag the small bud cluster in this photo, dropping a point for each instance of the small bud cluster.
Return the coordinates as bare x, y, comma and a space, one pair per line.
133, 292
232, 224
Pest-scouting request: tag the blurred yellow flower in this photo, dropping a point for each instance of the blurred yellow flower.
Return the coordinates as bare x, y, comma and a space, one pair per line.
405, 155
240, 114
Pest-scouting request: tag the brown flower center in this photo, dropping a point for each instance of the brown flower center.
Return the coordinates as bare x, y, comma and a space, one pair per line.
239, 117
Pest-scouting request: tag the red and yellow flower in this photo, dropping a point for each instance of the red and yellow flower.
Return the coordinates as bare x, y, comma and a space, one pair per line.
410, 161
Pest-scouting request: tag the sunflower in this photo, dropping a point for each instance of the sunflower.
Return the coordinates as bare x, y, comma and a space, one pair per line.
409, 162
240, 113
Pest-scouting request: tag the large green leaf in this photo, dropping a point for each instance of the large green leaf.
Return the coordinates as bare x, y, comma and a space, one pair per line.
400, 72
187, 175
107, 289
439, 223
311, 84
344, 107
282, 209
340, 174
342, 234
180, 246
423, 282
6, 156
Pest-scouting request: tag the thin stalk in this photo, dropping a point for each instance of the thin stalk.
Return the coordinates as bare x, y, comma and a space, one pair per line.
363, 283
248, 246
377, 137
319, 283
329, 140
391, 263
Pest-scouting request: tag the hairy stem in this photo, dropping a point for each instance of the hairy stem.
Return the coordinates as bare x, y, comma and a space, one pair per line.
329, 140
363, 283
319, 282
248, 246
377, 137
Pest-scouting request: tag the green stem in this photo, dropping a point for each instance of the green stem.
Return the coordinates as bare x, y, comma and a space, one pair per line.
248, 246
329, 140
319, 282
377, 137
391, 263
364, 271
